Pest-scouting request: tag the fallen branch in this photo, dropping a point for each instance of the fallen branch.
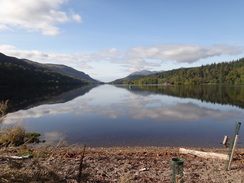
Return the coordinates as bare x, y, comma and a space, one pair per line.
204, 154
17, 157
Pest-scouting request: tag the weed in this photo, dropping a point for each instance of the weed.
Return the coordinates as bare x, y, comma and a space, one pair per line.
47, 165
16, 136
82, 177
125, 176
33, 171
12, 136
28, 153
3, 109
32, 137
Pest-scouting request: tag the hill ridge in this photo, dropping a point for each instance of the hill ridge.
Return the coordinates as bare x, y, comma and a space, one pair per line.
15, 71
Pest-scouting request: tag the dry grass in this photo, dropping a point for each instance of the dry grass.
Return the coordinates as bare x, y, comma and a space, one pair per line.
3, 109
126, 176
46, 165
31, 171
72, 164
16, 136
12, 136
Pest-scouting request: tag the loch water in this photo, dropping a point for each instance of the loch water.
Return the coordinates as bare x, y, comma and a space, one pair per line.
122, 115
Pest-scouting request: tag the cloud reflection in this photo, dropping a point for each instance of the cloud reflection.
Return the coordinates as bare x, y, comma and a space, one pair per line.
152, 108
54, 137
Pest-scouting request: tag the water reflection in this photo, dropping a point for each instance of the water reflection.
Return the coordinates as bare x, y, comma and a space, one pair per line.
54, 137
135, 107
115, 116
231, 95
26, 97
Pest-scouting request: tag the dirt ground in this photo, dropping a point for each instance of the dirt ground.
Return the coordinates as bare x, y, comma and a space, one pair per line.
116, 164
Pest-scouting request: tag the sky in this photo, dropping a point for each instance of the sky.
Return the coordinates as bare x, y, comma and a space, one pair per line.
110, 39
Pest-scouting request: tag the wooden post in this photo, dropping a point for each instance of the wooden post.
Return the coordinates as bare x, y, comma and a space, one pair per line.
233, 145
232, 153
225, 140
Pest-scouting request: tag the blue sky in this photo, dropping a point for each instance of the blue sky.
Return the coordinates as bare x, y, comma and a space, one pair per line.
109, 39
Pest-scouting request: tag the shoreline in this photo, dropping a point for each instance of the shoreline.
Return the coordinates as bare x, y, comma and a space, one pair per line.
127, 164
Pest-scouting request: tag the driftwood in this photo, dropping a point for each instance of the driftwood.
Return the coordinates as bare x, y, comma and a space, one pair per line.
204, 154
17, 157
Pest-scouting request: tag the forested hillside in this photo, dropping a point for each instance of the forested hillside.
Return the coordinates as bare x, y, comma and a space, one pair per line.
17, 72
221, 73
64, 70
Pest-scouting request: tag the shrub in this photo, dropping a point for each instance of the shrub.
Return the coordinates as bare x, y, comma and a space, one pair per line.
17, 136
12, 136
3, 109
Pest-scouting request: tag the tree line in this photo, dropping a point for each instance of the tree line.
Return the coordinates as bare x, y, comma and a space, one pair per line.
220, 73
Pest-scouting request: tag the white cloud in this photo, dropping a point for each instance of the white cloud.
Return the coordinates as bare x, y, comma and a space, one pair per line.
186, 53
40, 15
106, 54
131, 60
5, 47
181, 53
138, 58
4, 27
42, 57
76, 17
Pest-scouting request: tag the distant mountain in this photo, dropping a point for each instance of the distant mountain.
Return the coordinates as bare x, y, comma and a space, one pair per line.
14, 71
142, 73
65, 70
134, 75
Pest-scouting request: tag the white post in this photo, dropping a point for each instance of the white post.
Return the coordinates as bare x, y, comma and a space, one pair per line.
225, 140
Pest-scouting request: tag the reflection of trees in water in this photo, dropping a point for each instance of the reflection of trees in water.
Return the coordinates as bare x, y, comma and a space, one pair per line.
232, 95
25, 98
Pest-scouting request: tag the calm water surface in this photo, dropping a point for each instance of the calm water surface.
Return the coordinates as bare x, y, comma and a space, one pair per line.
109, 115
